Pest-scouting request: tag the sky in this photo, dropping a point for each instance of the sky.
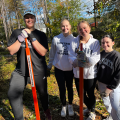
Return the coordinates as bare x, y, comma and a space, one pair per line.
89, 8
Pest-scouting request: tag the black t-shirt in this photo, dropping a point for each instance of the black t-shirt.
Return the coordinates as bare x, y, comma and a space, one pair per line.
109, 69
38, 61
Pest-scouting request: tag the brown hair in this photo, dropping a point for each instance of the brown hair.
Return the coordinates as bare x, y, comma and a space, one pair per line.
83, 21
109, 36
69, 23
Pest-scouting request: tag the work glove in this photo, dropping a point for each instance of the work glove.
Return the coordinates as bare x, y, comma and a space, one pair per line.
106, 93
31, 37
78, 63
22, 36
81, 56
48, 72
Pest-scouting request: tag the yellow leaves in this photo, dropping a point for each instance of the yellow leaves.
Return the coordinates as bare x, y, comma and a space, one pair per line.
68, 7
48, 25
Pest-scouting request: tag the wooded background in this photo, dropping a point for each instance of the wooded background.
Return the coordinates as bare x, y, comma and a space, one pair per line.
50, 13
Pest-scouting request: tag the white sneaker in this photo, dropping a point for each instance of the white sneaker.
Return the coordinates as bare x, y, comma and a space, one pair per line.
108, 118
63, 111
91, 116
86, 112
70, 110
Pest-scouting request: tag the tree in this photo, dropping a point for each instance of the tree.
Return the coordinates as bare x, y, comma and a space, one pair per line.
58, 10
108, 16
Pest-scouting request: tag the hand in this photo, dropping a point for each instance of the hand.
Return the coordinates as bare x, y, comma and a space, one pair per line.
27, 30
75, 63
106, 93
81, 63
82, 56
31, 37
22, 36
78, 63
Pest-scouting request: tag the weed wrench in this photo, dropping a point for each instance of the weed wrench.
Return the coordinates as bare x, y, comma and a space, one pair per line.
32, 80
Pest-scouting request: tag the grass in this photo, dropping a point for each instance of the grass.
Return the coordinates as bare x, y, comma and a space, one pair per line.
7, 66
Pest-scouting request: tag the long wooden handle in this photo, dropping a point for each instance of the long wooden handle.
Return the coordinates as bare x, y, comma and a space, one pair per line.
32, 80
81, 82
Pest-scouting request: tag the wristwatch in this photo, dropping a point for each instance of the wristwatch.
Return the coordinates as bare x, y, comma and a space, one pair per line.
34, 39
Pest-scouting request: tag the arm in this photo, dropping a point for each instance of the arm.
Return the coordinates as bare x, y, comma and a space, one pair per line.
116, 76
14, 47
52, 54
95, 57
71, 53
13, 43
39, 48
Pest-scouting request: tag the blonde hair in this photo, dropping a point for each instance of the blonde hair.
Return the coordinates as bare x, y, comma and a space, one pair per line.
83, 21
68, 22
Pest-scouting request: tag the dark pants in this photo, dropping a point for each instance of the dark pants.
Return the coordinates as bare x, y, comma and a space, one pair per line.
15, 92
89, 97
65, 79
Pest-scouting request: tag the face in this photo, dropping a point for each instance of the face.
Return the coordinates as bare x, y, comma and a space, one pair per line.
107, 44
29, 20
84, 29
65, 27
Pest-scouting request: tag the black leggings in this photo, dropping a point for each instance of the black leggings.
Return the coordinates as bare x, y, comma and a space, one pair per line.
15, 92
89, 97
63, 77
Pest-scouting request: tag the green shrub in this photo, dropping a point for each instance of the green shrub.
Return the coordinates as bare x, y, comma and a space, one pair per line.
6, 68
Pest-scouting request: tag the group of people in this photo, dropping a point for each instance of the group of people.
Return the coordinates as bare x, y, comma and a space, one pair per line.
98, 66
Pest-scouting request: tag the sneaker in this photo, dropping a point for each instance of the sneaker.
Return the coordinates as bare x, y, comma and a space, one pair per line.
91, 116
108, 118
48, 115
70, 110
86, 112
63, 111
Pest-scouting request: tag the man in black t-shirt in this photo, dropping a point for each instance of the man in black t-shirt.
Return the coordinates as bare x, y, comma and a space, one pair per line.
37, 42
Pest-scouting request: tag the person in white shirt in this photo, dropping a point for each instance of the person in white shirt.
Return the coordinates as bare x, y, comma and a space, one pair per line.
91, 53
58, 57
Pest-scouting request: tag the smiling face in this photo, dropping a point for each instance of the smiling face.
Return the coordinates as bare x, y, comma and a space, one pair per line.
84, 29
29, 21
65, 27
107, 44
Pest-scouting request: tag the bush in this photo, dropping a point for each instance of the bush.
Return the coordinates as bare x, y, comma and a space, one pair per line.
6, 68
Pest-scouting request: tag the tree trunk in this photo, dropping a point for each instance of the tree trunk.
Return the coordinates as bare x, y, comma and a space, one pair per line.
4, 18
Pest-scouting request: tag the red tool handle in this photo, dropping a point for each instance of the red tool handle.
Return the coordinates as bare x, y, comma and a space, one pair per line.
81, 82
32, 80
